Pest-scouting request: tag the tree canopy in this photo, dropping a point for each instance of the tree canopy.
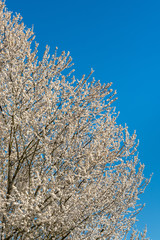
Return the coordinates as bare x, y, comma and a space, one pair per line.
67, 169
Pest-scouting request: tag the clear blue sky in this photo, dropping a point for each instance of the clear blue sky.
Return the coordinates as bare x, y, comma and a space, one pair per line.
121, 41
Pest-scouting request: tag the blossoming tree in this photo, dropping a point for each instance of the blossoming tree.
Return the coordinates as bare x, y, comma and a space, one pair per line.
67, 169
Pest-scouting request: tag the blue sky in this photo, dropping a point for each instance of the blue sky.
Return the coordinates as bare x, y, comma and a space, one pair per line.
120, 40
